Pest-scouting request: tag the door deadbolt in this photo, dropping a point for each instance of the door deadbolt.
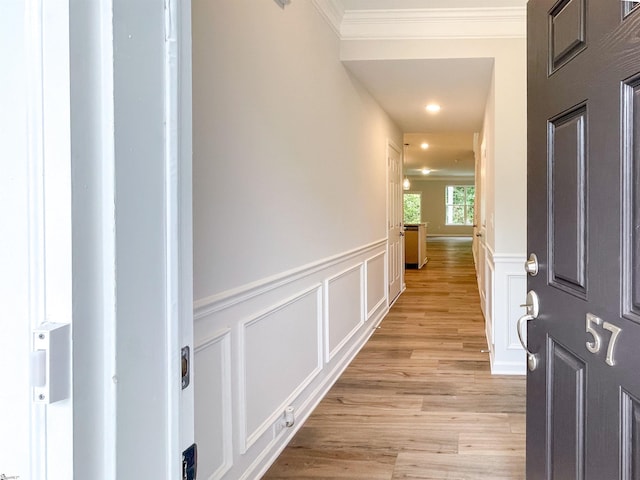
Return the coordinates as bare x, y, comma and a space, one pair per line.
531, 265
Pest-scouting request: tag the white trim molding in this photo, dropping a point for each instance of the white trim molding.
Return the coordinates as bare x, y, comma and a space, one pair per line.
332, 11
436, 23
222, 301
423, 23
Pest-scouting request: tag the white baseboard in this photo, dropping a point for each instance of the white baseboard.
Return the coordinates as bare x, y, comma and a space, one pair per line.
508, 368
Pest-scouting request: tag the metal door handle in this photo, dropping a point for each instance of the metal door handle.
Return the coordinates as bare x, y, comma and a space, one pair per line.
533, 308
531, 265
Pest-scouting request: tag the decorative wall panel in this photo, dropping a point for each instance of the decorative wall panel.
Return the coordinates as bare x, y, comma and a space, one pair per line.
282, 355
344, 299
375, 284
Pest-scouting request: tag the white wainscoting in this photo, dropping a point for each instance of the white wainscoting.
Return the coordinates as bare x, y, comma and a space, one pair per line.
505, 290
278, 343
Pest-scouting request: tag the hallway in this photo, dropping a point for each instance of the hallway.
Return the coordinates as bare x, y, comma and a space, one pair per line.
419, 401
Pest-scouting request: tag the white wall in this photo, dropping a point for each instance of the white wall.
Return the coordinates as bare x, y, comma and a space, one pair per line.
433, 206
488, 153
289, 224
289, 150
502, 244
510, 170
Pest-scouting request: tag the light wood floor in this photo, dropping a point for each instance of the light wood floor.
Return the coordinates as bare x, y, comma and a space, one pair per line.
419, 402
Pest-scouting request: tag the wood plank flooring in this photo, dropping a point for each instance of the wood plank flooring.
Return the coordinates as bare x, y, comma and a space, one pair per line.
418, 402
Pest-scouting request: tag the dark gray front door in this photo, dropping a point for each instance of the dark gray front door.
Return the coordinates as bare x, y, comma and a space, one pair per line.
583, 400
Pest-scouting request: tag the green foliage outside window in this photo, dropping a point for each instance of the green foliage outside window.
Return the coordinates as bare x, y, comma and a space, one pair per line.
459, 204
412, 203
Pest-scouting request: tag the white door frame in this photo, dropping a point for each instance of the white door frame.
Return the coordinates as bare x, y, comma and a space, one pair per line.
73, 217
131, 134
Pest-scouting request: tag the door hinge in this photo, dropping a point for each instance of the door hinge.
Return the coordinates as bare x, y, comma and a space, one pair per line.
190, 463
186, 367
51, 362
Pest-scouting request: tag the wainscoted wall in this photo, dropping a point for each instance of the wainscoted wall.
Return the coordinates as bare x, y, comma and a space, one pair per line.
278, 343
505, 289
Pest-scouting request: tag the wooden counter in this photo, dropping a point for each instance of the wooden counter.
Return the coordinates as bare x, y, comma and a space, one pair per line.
415, 245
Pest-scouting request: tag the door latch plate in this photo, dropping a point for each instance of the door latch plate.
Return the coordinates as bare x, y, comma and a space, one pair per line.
186, 367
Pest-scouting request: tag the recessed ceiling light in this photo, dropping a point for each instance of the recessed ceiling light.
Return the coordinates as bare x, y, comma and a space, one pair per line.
426, 171
424, 146
433, 108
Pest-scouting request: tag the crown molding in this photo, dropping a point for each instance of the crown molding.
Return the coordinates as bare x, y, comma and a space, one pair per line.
436, 23
332, 11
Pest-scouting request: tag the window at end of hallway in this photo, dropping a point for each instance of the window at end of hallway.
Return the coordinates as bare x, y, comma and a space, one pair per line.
412, 207
459, 204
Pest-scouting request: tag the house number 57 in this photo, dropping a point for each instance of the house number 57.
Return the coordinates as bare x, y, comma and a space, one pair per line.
596, 344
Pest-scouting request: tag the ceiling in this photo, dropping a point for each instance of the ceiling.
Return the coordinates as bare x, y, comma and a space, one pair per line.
449, 154
404, 87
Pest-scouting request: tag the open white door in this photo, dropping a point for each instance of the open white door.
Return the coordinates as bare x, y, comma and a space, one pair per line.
395, 232
36, 441
14, 254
